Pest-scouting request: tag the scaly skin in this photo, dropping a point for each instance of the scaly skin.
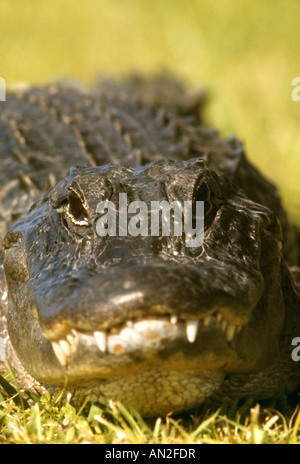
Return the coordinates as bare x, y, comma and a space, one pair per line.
145, 320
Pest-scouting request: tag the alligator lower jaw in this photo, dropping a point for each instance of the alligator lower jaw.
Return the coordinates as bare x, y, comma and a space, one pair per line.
157, 365
152, 392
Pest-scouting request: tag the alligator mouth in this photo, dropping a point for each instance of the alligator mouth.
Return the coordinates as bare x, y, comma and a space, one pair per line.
145, 335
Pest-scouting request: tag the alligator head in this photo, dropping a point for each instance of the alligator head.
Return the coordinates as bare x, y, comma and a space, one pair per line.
147, 319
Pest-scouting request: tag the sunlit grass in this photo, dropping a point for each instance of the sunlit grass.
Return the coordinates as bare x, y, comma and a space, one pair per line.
42, 419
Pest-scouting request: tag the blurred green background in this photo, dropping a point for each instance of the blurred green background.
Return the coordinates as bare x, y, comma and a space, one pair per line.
245, 52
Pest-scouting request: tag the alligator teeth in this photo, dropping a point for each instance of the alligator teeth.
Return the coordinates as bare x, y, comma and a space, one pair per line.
219, 316
224, 325
207, 320
191, 328
65, 346
71, 338
59, 353
173, 319
101, 340
230, 331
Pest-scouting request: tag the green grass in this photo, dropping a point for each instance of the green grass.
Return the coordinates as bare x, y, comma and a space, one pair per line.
44, 420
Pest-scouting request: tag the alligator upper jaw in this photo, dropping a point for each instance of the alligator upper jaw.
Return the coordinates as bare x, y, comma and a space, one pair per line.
118, 295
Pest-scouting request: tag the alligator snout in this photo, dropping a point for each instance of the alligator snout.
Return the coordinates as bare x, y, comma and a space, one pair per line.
123, 293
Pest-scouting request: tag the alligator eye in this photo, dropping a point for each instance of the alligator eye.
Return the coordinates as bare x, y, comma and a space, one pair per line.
201, 192
76, 209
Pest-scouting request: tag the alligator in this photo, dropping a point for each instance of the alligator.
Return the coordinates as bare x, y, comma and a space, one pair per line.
143, 319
